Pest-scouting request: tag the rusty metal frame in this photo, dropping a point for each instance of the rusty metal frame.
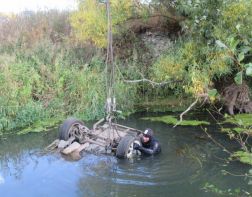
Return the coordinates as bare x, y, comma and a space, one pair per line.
91, 135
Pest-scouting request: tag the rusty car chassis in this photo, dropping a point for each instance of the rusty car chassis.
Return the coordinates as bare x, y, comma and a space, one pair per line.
105, 137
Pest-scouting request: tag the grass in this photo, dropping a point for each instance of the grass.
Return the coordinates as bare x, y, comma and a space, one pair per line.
34, 94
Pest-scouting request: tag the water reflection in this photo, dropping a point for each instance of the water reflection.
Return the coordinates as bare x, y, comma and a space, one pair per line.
1, 179
184, 166
17, 152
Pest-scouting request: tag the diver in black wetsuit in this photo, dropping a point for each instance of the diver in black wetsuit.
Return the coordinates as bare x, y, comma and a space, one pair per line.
149, 146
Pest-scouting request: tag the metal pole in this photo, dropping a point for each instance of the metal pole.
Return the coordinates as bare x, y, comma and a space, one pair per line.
110, 71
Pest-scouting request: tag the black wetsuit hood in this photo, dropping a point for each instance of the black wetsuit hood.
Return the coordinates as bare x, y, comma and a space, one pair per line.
152, 147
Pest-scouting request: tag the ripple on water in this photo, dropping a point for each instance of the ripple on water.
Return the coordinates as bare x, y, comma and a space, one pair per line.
160, 170
164, 169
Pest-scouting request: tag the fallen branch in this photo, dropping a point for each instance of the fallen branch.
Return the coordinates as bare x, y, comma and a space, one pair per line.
170, 17
217, 143
237, 175
190, 107
153, 83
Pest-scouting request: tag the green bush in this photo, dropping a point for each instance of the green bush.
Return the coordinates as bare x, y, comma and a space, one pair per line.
31, 93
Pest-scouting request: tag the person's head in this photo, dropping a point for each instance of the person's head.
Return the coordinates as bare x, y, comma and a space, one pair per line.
147, 135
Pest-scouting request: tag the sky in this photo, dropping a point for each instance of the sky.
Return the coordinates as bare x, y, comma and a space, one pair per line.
16, 6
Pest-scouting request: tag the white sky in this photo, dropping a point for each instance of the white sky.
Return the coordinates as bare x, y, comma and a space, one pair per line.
15, 6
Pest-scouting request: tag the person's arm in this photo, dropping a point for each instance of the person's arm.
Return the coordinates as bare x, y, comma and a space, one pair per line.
149, 151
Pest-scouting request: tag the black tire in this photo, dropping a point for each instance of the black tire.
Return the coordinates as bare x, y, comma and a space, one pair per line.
69, 128
125, 146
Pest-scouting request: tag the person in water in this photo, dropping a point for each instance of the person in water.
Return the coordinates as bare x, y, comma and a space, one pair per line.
149, 145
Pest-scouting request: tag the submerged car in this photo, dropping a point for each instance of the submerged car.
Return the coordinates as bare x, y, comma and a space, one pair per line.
105, 137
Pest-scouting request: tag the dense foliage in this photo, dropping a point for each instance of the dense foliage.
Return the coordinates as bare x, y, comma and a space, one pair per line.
216, 44
90, 21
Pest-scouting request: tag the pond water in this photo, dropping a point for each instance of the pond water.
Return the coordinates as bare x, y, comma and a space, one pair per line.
188, 161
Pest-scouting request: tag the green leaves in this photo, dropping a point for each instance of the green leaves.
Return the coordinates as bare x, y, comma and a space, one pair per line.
238, 78
246, 49
244, 157
233, 44
248, 69
90, 21
220, 44
241, 56
238, 26
212, 92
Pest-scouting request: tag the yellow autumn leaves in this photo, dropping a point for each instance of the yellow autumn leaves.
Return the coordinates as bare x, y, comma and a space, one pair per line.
90, 21
193, 68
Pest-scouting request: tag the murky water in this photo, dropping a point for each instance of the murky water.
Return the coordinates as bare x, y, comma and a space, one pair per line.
188, 161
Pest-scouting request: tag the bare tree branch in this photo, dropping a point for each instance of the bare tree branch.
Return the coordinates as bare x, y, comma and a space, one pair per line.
219, 144
153, 83
189, 108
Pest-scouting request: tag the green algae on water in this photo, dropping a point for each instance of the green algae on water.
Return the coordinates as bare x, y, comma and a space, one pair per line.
40, 126
173, 121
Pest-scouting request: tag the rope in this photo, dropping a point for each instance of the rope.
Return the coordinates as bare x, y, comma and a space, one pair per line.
110, 70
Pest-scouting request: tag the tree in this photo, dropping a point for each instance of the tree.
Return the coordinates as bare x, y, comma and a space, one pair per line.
216, 43
90, 21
